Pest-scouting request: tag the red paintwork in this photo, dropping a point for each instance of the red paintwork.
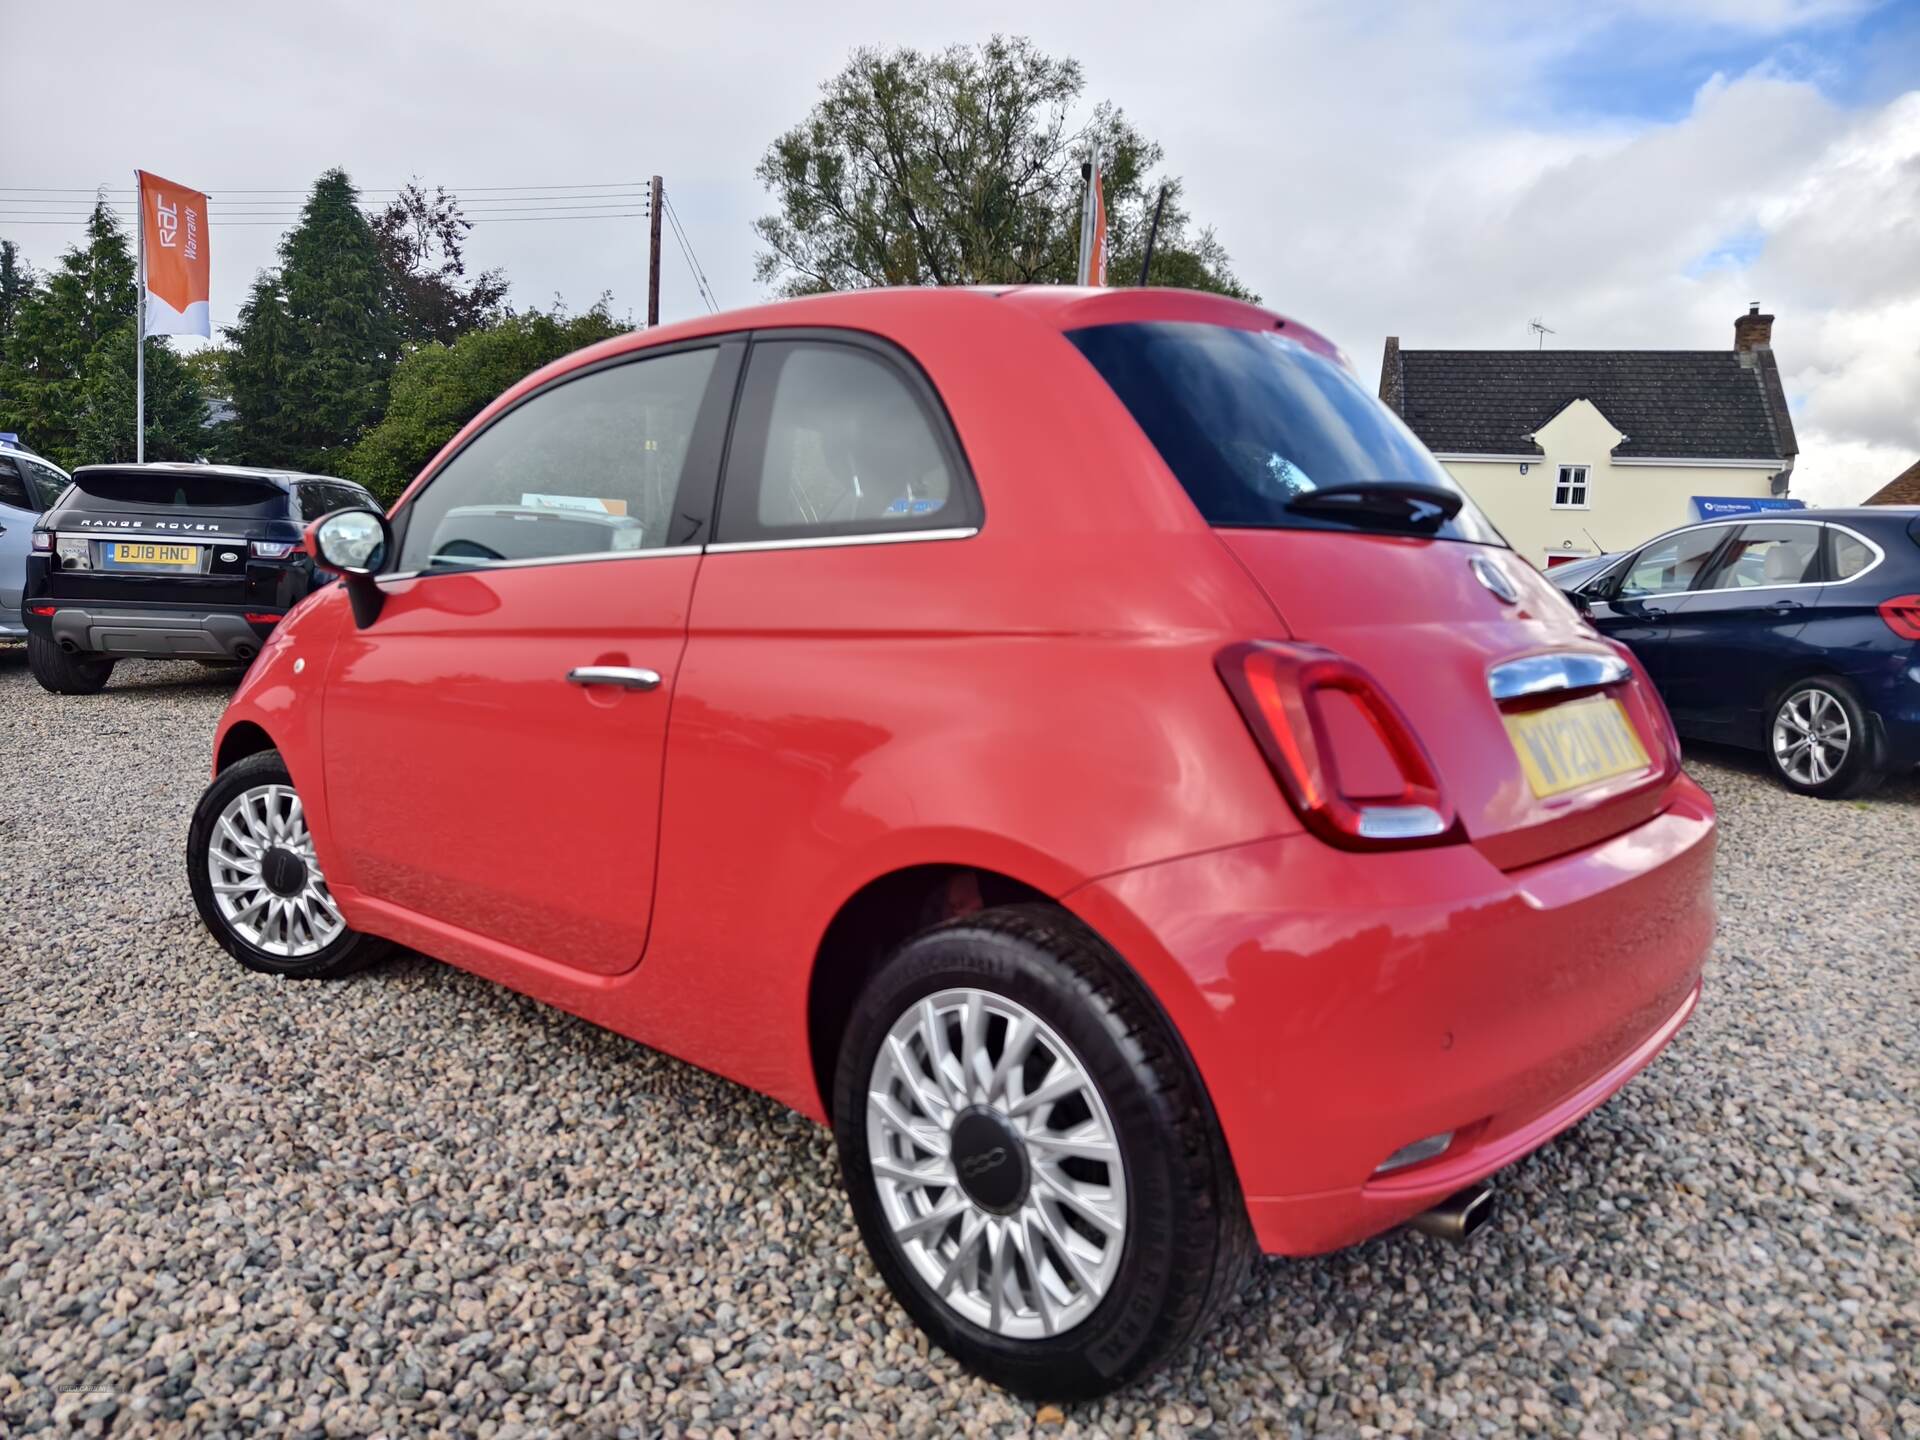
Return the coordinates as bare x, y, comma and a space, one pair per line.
1040, 701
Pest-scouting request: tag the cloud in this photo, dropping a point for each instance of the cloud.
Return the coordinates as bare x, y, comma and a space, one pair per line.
1440, 171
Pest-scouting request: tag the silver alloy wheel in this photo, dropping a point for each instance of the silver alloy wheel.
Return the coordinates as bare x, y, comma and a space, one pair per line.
1811, 736
266, 879
1029, 1242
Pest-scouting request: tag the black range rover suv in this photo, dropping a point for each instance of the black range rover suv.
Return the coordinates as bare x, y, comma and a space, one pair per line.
190, 562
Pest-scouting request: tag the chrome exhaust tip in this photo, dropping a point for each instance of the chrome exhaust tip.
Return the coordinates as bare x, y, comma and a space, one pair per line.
1458, 1216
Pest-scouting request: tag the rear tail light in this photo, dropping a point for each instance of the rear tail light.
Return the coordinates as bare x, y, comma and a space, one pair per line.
261, 618
1350, 764
41, 609
1902, 614
273, 549
43, 541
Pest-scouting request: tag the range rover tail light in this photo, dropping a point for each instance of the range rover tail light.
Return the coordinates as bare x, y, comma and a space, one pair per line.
1344, 753
42, 541
1902, 614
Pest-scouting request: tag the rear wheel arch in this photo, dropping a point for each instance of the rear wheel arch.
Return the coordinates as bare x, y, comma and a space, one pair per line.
871, 923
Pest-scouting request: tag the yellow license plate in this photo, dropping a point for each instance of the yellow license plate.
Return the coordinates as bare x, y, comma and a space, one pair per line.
1568, 746
133, 552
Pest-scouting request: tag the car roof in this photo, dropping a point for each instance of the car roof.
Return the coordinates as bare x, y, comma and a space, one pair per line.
238, 472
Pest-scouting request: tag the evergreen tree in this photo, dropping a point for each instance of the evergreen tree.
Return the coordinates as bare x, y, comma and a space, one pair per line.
70, 346
438, 388
16, 282
317, 339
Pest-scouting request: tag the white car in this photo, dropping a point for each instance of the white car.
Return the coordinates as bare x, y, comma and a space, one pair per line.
28, 487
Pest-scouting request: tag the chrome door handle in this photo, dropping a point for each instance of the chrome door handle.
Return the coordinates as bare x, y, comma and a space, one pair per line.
620, 675
1783, 607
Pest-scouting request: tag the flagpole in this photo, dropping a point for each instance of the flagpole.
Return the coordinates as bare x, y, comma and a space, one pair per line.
140, 321
1087, 172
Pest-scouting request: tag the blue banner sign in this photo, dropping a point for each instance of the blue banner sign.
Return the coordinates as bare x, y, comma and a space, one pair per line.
1713, 507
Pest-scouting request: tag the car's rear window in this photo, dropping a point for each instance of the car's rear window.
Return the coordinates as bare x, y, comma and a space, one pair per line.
164, 491
1248, 420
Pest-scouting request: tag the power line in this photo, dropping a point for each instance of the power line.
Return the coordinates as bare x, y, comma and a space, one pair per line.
6, 220
686, 248
308, 189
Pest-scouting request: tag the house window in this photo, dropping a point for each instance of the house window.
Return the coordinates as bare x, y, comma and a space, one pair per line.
1570, 491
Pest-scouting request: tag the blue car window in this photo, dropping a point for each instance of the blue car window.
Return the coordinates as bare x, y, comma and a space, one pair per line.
1765, 555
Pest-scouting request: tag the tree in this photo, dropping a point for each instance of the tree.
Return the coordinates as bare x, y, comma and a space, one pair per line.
961, 167
422, 238
71, 349
176, 407
16, 283
438, 388
317, 339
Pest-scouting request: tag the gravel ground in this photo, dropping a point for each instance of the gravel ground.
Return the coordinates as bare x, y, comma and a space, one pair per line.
414, 1203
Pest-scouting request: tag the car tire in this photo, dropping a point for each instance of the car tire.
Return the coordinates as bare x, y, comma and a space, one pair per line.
63, 673
1120, 1300
249, 833
1819, 740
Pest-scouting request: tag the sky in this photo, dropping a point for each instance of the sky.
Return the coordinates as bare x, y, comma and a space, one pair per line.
1632, 172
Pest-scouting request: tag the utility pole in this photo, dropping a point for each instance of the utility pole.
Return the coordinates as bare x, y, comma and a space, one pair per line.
655, 204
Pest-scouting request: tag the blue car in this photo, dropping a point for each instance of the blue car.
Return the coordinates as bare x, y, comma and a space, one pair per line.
1796, 637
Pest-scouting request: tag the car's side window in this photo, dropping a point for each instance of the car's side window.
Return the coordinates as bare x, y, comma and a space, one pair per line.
13, 486
1765, 555
1851, 554
316, 500
592, 466
837, 439
1671, 564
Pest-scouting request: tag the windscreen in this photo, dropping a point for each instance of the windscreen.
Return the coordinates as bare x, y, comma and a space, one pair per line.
1249, 421
168, 491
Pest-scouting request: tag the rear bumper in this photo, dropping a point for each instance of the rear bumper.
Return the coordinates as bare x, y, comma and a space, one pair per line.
158, 632
1343, 1006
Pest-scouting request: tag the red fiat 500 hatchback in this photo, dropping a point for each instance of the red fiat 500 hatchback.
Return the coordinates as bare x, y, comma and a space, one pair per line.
1078, 744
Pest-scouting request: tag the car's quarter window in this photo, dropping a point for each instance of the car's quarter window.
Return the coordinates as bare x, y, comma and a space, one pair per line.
839, 438
596, 464
1672, 564
1851, 554
43, 481
1768, 554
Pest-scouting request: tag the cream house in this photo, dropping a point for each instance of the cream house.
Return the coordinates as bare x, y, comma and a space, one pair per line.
1576, 452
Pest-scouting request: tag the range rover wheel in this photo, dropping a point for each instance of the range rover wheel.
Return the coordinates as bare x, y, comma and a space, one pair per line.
66, 674
1031, 1157
1819, 742
257, 882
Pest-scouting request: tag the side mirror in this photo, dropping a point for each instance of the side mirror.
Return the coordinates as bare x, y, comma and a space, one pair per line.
356, 544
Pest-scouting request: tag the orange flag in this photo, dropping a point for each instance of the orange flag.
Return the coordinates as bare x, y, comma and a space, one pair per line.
173, 232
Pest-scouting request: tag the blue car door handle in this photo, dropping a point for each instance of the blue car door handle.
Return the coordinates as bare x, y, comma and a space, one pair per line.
1785, 607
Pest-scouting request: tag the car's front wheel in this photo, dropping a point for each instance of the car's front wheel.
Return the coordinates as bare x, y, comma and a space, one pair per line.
1819, 742
1033, 1162
257, 881
66, 674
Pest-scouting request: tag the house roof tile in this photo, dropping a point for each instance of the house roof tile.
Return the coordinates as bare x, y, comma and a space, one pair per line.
1679, 404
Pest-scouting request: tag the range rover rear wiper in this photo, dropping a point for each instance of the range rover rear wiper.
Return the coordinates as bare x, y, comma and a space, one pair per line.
1399, 504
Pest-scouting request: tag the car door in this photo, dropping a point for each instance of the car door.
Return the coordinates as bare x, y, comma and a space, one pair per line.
1738, 633
1635, 605
17, 514
494, 741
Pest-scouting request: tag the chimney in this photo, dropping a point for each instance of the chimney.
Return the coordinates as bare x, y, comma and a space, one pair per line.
1390, 386
1753, 331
